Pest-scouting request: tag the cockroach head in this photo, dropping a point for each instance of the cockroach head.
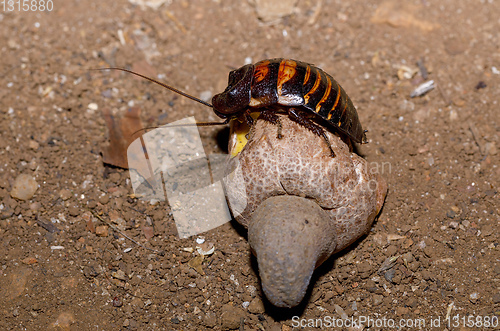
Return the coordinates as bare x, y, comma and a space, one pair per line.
237, 95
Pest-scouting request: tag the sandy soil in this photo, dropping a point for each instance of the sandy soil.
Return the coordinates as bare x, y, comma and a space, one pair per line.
63, 264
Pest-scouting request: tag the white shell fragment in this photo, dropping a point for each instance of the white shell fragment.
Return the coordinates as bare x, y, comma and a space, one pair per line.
154, 4
423, 89
405, 72
205, 248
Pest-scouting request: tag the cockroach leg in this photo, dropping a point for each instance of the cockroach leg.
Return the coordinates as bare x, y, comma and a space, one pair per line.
298, 117
271, 117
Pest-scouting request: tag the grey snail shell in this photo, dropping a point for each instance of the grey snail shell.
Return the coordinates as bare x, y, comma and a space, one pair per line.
299, 203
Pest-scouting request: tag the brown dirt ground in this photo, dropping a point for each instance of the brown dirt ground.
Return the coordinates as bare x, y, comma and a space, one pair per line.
439, 151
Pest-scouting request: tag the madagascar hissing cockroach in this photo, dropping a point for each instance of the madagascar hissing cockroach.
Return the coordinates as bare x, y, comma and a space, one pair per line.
310, 96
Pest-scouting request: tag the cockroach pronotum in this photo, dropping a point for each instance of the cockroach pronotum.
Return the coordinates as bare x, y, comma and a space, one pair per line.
309, 96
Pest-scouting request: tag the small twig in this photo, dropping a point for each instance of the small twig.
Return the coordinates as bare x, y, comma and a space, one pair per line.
445, 98
317, 12
47, 226
475, 135
123, 234
176, 21
423, 69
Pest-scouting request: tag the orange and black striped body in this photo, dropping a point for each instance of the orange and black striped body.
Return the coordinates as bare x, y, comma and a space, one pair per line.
293, 84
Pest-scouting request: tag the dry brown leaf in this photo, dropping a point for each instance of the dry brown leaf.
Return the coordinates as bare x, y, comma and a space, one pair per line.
122, 132
148, 232
29, 260
195, 263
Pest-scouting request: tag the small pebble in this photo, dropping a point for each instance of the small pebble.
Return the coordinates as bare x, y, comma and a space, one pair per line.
210, 319
392, 250
230, 317
271, 10
252, 290
474, 297
102, 231
90, 272
34, 145
65, 194
12, 44
400, 311
117, 302
412, 302
256, 306
408, 257
103, 199
371, 286
93, 106
74, 210
397, 278
377, 299
389, 275
428, 251
35, 206
364, 269
119, 274
24, 187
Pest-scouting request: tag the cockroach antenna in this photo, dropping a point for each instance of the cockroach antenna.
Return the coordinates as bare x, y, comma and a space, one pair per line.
173, 89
